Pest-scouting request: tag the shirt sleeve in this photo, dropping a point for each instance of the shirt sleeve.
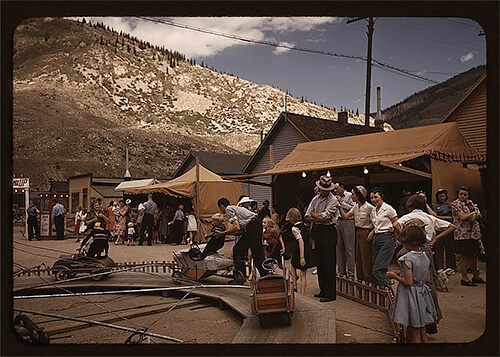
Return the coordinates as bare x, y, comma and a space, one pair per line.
455, 208
231, 214
347, 203
351, 211
440, 224
296, 233
391, 212
402, 221
310, 207
330, 211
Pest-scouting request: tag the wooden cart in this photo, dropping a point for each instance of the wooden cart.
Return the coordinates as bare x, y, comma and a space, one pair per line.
272, 294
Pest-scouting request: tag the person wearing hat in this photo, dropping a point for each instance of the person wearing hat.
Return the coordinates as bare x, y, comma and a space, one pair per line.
33, 228
346, 239
245, 202
442, 209
58, 213
322, 211
247, 223
361, 212
96, 241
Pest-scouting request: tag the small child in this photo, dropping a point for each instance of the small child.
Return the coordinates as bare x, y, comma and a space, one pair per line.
271, 239
414, 306
130, 232
215, 243
302, 257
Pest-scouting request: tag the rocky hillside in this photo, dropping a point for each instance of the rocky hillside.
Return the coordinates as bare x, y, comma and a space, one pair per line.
429, 106
83, 92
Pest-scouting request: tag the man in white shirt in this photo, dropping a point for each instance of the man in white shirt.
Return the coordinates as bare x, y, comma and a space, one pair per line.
322, 211
247, 223
346, 242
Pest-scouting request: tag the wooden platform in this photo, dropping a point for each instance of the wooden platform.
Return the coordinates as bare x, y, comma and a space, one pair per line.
311, 322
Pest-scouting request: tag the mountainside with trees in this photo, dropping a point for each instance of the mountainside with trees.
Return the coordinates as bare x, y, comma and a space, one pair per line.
430, 105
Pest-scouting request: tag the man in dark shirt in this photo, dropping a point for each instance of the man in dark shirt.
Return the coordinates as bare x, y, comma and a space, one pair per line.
402, 210
150, 208
33, 228
265, 211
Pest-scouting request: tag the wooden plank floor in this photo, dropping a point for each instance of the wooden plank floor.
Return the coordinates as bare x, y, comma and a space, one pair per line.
311, 322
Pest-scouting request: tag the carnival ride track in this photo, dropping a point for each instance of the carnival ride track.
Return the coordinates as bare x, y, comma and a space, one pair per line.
358, 291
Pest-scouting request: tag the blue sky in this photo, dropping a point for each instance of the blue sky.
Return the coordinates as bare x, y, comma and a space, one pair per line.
435, 48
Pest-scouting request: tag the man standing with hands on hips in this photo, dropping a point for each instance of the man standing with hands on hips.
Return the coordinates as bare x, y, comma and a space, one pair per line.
346, 242
323, 213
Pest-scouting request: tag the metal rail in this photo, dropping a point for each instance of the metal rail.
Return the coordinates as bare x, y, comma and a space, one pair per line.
92, 322
131, 291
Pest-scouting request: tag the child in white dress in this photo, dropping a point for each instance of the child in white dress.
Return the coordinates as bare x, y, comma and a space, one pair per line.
414, 306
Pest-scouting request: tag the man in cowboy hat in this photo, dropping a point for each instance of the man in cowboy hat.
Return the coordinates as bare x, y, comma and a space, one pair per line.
322, 211
247, 224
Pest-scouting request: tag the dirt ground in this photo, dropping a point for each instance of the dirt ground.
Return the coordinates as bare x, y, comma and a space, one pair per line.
463, 308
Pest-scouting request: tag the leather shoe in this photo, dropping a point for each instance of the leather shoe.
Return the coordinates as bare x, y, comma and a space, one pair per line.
467, 283
320, 295
326, 299
478, 281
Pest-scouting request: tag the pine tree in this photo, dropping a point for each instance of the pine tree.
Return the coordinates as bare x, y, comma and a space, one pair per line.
83, 21
46, 38
357, 111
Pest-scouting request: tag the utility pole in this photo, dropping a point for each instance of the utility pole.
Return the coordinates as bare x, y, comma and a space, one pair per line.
368, 66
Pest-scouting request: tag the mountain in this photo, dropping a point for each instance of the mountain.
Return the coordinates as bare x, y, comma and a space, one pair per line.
82, 92
430, 105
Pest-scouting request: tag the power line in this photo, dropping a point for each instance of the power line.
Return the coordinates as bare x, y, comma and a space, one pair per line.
383, 66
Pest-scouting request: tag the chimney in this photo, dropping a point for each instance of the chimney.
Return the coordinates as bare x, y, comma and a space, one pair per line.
379, 121
342, 117
127, 176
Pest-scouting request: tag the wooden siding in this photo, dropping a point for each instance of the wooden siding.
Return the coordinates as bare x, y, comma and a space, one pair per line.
472, 121
285, 141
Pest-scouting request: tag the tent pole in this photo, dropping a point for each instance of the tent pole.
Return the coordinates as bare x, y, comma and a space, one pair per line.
197, 200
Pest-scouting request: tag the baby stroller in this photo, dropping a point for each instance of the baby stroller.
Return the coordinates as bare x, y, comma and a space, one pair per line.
200, 261
68, 266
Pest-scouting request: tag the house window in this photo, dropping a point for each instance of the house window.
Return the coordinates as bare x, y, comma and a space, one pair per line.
75, 201
85, 199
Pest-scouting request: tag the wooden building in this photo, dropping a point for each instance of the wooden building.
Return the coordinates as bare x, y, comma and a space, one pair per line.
470, 115
83, 189
287, 132
220, 163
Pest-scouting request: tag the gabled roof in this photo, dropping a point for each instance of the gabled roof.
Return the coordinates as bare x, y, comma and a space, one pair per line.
441, 141
463, 101
312, 129
220, 163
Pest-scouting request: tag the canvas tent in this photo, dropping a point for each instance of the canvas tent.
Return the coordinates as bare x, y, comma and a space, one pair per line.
128, 185
211, 188
442, 143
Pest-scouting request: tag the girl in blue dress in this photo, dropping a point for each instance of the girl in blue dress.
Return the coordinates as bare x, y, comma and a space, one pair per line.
414, 306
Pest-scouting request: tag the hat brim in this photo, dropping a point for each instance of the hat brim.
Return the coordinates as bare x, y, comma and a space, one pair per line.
324, 188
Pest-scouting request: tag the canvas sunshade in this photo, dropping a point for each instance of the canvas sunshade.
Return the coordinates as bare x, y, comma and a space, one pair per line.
391, 146
212, 187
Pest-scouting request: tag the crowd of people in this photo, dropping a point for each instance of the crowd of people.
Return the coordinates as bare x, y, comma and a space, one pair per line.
357, 234
352, 233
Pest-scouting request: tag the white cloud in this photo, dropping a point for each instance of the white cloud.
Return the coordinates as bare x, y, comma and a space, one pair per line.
467, 57
195, 43
281, 50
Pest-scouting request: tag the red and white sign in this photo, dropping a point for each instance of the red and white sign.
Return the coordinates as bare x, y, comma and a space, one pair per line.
21, 183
